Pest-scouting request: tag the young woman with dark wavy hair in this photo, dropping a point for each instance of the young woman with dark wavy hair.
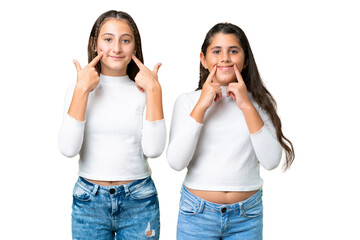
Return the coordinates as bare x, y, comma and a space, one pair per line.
222, 133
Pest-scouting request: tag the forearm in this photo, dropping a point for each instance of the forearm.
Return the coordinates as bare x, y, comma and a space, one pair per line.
154, 108
153, 138
198, 113
78, 104
71, 136
267, 148
264, 141
252, 119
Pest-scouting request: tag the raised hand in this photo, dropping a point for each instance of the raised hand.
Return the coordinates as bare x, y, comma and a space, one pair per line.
210, 92
238, 91
146, 80
87, 77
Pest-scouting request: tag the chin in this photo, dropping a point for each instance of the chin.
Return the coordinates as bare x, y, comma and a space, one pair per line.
225, 81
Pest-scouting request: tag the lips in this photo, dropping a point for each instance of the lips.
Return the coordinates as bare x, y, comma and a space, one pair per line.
116, 57
225, 68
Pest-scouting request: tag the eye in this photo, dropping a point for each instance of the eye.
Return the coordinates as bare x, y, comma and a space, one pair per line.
216, 51
126, 41
234, 51
107, 39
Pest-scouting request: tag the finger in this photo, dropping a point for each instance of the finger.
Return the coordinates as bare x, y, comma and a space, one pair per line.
229, 93
238, 74
211, 75
137, 61
96, 60
228, 90
156, 68
140, 89
77, 65
218, 95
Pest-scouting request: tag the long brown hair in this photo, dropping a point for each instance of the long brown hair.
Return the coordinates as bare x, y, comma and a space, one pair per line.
132, 68
253, 82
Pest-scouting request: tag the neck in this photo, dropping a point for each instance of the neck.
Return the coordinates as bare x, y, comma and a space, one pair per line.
114, 73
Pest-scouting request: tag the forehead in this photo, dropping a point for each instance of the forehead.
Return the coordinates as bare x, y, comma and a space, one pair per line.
224, 40
116, 26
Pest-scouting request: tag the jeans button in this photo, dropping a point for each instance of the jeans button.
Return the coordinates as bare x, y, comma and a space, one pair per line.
112, 190
223, 210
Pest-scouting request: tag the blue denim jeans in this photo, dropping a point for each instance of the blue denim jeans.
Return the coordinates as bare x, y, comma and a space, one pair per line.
129, 211
200, 219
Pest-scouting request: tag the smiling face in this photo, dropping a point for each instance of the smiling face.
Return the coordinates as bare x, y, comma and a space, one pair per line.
116, 41
224, 52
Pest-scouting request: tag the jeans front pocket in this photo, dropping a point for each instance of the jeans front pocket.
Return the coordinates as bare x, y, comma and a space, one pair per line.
81, 193
188, 207
254, 210
143, 190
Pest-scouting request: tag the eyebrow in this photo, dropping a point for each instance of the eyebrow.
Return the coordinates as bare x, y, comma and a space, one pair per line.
125, 34
231, 47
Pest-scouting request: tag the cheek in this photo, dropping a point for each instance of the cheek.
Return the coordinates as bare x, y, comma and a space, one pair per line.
103, 48
211, 63
129, 50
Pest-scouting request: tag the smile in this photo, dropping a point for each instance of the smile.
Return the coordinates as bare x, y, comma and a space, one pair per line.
225, 68
117, 58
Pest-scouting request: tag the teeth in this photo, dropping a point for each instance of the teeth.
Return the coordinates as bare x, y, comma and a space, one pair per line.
225, 68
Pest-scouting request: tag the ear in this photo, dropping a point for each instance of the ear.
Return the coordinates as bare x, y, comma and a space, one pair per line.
203, 60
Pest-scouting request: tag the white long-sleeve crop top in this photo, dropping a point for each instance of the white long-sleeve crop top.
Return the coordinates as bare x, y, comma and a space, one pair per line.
220, 154
115, 140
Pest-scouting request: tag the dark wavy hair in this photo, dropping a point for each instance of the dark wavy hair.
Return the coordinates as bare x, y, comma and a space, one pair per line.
132, 68
253, 82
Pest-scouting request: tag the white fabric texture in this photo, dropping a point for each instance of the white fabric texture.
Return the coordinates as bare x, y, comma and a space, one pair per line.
220, 154
115, 141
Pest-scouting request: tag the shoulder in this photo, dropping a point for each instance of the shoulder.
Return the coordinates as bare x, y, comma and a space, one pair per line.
186, 101
189, 97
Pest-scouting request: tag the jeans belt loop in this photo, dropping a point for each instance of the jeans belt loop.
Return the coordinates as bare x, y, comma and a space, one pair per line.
94, 191
201, 207
241, 209
126, 189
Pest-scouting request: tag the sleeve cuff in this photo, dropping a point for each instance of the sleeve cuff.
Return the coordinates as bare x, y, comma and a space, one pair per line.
72, 120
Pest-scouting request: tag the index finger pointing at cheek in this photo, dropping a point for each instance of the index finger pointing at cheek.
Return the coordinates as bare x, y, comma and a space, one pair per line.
96, 60
211, 75
238, 74
137, 61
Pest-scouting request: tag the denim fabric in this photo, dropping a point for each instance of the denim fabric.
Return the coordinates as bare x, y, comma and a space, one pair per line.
200, 219
129, 211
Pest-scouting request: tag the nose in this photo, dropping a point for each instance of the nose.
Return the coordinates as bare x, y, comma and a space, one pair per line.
117, 47
225, 57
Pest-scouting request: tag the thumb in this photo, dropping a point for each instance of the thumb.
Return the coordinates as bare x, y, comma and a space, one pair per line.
77, 65
156, 68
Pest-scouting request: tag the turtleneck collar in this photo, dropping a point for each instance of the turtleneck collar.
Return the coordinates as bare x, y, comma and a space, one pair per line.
109, 80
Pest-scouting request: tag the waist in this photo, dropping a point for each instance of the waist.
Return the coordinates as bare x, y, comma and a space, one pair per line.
105, 189
109, 183
222, 197
204, 204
